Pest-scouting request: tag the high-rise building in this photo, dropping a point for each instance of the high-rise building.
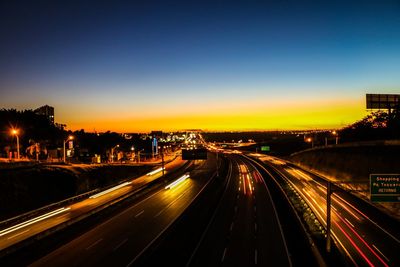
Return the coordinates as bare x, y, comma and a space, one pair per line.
46, 111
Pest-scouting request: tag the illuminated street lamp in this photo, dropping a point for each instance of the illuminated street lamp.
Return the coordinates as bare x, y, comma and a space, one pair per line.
66, 141
15, 132
337, 136
112, 153
310, 140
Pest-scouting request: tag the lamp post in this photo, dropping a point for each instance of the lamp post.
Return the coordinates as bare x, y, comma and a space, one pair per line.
112, 153
68, 139
336, 136
15, 132
310, 140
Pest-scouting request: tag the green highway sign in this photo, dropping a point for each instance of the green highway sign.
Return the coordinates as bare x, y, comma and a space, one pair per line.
385, 187
265, 148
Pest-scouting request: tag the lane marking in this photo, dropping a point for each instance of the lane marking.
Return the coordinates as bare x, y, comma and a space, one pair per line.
223, 255
120, 244
140, 213
169, 205
231, 228
94, 244
255, 227
255, 256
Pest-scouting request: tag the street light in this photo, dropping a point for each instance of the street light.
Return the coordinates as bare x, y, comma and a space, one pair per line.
112, 153
336, 136
310, 140
15, 132
68, 139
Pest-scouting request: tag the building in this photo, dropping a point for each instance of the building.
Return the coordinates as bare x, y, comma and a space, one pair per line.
46, 111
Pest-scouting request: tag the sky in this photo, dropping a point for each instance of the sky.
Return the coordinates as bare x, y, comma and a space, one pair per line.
137, 66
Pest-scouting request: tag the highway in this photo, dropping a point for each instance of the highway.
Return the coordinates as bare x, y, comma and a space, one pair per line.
245, 229
358, 235
21, 231
120, 240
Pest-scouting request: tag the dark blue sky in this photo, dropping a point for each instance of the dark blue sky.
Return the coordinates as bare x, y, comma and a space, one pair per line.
93, 55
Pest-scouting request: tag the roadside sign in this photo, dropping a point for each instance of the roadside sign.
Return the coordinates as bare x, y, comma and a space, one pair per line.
385, 187
265, 148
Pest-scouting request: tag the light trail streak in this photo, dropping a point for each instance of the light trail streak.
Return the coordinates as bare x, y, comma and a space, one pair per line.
32, 221
365, 243
354, 245
249, 183
110, 190
366, 217
155, 171
177, 182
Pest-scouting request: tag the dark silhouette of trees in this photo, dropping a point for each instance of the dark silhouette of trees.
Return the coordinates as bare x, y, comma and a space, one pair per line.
379, 125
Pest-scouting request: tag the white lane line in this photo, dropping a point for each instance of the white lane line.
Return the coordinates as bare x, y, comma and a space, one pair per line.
381, 253
255, 227
94, 244
255, 208
169, 205
18, 234
120, 244
223, 255
255, 256
140, 213
235, 209
231, 228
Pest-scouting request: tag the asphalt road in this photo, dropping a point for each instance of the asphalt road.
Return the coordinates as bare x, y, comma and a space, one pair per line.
120, 240
245, 229
357, 234
17, 233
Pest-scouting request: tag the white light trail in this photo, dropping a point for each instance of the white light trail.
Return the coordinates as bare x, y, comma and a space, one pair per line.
32, 221
156, 171
110, 190
175, 183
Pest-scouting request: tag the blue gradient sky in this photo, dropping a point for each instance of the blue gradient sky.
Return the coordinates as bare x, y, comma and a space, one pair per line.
138, 66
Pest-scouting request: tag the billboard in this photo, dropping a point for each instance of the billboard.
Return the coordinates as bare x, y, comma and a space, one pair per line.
192, 154
382, 101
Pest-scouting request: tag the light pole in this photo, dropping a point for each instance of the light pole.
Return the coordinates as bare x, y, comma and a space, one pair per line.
68, 139
310, 140
336, 136
15, 132
112, 153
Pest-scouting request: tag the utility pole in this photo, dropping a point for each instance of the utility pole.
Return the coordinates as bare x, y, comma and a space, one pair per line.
328, 216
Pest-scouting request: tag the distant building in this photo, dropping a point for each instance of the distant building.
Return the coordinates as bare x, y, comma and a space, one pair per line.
156, 134
46, 111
